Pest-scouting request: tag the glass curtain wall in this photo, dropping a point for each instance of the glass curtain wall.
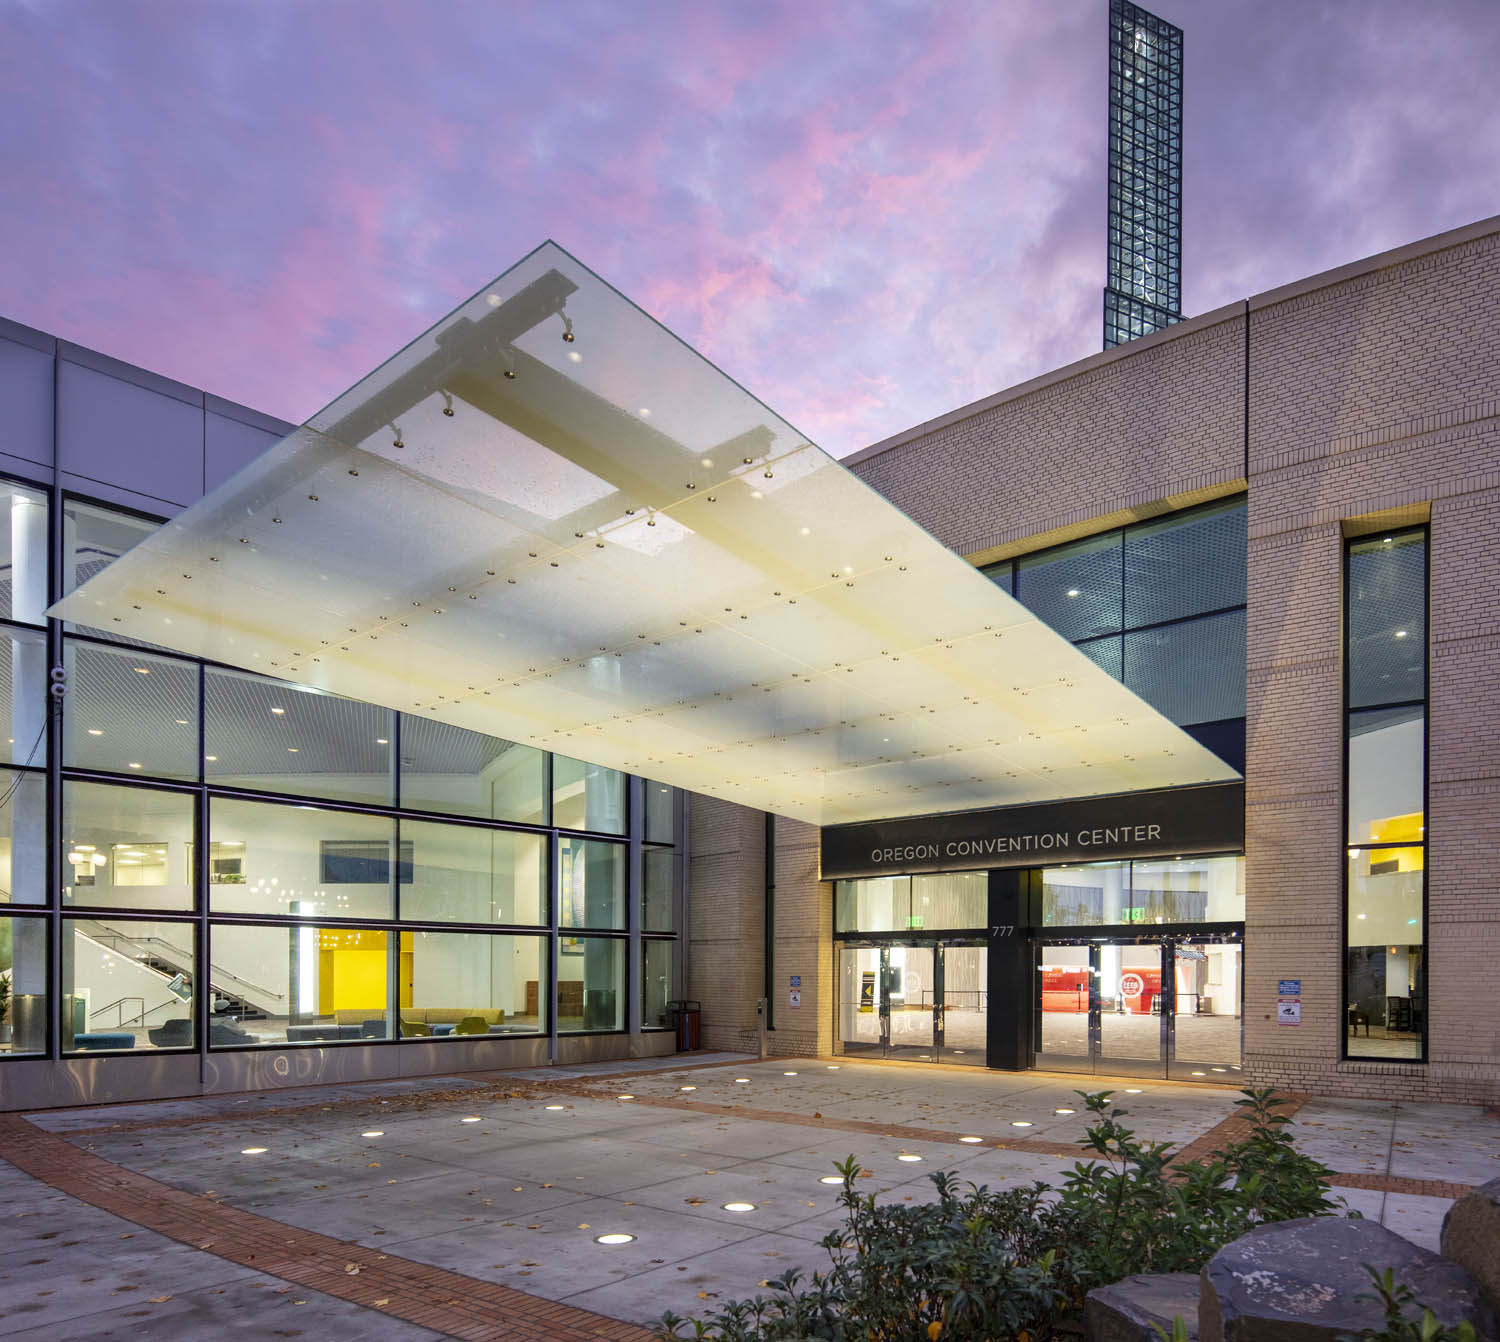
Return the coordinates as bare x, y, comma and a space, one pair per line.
1146, 893
1385, 668
293, 867
25, 996
1160, 605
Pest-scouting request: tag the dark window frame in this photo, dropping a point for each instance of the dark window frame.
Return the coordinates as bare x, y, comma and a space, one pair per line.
1346, 711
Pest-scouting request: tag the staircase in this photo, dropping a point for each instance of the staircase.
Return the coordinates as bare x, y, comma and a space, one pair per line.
243, 999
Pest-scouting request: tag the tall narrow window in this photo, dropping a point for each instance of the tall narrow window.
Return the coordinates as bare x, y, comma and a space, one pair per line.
1385, 668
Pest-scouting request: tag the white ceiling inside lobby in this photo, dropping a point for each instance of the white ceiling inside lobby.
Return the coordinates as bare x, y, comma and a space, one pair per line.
604, 546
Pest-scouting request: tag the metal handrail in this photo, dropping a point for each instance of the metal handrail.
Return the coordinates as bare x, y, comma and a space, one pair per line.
951, 996
140, 1018
215, 973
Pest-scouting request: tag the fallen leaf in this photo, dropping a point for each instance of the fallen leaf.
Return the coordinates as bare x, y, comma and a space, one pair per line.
352, 1270
159, 1299
583, 1225
384, 1300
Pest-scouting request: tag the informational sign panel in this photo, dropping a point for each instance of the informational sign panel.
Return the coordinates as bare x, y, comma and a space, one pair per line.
794, 997
1289, 1001
796, 980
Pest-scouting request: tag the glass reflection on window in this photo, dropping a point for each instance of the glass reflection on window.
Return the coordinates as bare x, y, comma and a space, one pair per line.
591, 883
298, 984
1086, 894
126, 847
1387, 774
587, 796
590, 984
450, 769
23, 542
127, 985
23, 967
458, 985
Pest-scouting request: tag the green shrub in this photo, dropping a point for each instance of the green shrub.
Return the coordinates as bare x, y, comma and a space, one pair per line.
1398, 1325
983, 1266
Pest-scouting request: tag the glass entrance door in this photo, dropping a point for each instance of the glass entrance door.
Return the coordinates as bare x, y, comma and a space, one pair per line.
913, 1001
922, 1003
1206, 1020
862, 1016
1099, 1009
1168, 1008
1132, 1028
965, 1004
1067, 1011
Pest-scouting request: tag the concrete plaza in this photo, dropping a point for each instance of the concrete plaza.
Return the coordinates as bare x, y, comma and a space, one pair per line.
399, 1201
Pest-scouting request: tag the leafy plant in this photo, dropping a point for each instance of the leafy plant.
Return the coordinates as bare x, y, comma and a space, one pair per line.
1135, 1210
4, 997
1398, 1325
980, 1266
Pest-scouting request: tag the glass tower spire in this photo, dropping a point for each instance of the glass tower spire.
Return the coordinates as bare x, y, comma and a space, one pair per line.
1143, 292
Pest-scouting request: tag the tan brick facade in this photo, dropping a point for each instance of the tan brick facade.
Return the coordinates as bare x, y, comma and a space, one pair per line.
1374, 390
1371, 390
1081, 450
726, 920
726, 960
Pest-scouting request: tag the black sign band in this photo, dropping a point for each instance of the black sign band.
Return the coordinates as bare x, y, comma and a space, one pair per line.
1164, 823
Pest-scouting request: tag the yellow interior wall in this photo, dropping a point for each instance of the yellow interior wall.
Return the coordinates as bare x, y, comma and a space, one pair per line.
1396, 829
350, 977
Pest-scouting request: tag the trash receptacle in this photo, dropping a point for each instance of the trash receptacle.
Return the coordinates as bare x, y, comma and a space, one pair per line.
688, 1018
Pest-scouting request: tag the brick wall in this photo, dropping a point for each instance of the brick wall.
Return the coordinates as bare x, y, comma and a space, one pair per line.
1093, 445
804, 944
1373, 394
726, 912
726, 953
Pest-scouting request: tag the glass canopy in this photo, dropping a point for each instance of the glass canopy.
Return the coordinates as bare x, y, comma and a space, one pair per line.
550, 520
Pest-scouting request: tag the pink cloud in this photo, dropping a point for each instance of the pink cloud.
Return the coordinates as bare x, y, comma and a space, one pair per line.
868, 213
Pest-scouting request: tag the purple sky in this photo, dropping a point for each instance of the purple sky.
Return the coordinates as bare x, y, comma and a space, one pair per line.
867, 211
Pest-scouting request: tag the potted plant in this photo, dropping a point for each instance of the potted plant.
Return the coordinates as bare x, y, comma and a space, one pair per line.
5, 1027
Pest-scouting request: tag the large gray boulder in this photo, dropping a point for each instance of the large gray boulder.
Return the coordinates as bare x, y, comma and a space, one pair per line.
1471, 1237
1297, 1281
1126, 1311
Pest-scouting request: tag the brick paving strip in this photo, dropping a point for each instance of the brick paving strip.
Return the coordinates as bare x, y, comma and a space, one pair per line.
431, 1297
449, 1302
1235, 1128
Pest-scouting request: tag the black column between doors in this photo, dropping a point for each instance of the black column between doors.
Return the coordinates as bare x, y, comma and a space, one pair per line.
1010, 982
